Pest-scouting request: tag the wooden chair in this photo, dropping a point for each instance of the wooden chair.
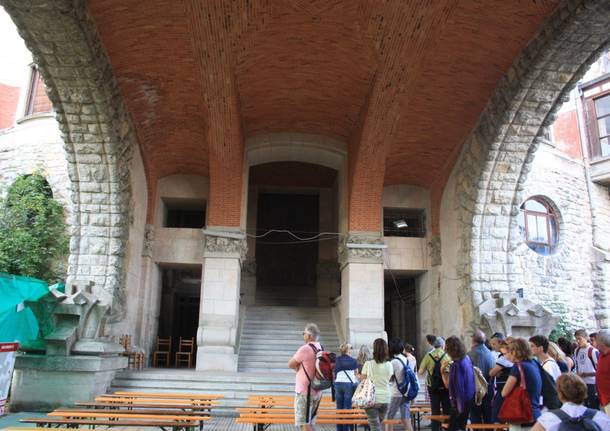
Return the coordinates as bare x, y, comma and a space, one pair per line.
184, 355
163, 351
135, 360
125, 341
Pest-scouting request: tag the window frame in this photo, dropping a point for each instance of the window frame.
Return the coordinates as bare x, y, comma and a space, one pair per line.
595, 149
32, 89
550, 217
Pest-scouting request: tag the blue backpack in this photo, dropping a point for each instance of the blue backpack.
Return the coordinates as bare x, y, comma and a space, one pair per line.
409, 386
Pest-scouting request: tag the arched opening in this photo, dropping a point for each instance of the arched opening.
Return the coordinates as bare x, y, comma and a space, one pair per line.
292, 224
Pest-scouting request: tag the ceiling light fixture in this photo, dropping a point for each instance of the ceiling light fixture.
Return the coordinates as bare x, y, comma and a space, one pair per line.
400, 224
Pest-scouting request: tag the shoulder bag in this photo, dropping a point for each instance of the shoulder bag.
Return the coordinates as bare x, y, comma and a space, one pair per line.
364, 396
517, 406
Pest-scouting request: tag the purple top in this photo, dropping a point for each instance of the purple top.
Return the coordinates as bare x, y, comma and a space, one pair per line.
461, 383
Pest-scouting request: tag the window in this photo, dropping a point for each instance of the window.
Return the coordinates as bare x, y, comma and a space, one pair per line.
184, 213
538, 225
602, 113
598, 125
37, 101
404, 222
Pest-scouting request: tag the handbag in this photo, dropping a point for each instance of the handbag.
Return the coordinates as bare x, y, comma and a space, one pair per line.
517, 406
364, 396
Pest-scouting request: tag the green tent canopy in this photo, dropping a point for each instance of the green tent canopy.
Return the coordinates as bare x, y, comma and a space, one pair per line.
17, 321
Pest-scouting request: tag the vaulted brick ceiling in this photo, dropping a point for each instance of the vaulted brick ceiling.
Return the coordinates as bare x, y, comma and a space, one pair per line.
310, 67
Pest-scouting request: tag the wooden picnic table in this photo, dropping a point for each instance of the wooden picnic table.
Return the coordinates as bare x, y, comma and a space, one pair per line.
166, 401
110, 415
113, 405
175, 412
478, 427
164, 395
75, 423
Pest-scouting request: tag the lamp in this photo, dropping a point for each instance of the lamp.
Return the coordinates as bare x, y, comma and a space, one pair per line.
400, 224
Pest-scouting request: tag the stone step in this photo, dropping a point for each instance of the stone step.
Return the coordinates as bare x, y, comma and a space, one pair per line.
265, 343
207, 386
273, 351
282, 329
173, 375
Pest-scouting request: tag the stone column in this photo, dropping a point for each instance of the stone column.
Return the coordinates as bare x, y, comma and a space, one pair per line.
224, 251
362, 287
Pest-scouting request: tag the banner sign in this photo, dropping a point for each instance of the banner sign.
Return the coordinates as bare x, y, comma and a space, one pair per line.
7, 363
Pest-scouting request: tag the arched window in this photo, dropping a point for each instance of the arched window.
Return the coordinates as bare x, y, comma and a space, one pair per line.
538, 225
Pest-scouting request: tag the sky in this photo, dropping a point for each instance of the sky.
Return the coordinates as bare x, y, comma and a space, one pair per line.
14, 56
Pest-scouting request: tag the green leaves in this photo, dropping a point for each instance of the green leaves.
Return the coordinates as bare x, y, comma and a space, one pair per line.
33, 240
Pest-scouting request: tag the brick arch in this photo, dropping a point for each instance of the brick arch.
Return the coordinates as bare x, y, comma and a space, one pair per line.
97, 134
498, 154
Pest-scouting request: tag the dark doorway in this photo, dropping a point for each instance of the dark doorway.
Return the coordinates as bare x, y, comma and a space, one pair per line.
401, 308
282, 261
179, 312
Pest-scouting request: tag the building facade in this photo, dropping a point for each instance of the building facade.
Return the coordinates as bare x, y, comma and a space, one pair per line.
323, 191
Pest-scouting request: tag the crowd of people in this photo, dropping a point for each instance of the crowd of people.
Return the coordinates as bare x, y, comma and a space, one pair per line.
562, 382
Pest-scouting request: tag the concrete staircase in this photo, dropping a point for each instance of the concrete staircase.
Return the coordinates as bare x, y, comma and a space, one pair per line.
270, 336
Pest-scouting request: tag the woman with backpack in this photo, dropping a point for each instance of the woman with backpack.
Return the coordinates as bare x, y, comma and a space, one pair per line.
345, 381
573, 415
379, 371
398, 401
459, 379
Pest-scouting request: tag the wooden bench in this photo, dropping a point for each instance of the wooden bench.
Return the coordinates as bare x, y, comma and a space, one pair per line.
127, 394
145, 405
164, 401
477, 427
131, 415
262, 418
133, 411
75, 423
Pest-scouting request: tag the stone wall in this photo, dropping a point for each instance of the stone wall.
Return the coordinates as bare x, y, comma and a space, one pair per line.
561, 281
497, 157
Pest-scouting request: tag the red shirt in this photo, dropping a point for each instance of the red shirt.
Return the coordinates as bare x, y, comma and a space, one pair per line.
602, 378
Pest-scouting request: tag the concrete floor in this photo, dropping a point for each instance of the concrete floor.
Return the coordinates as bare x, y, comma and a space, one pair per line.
215, 424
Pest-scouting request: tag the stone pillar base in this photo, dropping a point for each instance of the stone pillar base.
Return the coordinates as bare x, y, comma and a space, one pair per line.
44, 383
216, 358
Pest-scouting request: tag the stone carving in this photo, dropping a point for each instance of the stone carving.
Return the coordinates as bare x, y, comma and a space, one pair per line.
149, 240
435, 251
515, 316
364, 248
78, 319
225, 243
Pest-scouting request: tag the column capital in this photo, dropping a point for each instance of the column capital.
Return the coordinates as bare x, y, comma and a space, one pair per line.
228, 243
361, 247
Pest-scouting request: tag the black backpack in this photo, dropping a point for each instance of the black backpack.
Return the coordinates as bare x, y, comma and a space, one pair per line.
550, 399
436, 379
582, 423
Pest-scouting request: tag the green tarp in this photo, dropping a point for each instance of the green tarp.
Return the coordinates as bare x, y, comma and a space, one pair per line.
17, 321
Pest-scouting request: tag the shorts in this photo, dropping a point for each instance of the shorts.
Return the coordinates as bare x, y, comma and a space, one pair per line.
300, 408
399, 404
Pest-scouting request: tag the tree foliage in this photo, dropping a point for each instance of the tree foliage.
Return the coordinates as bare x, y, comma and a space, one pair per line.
33, 240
